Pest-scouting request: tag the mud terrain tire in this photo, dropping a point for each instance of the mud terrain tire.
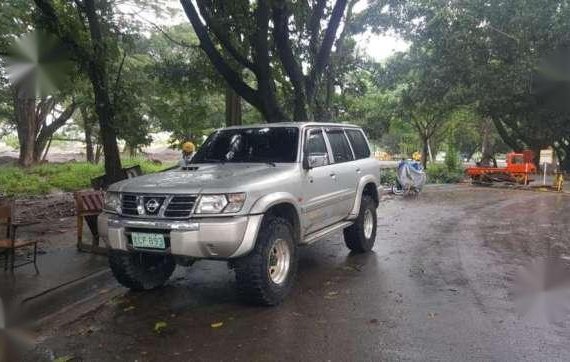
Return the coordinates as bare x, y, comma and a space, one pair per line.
360, 236
141, 271
266, 275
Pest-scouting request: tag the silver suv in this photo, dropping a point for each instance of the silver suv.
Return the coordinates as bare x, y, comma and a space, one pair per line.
250, 196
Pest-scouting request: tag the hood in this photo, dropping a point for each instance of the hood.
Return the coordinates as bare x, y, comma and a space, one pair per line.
204, 178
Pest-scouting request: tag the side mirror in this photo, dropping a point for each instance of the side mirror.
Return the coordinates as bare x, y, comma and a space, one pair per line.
315, 160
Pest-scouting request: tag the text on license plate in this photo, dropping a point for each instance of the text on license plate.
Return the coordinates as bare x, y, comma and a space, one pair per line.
148, 240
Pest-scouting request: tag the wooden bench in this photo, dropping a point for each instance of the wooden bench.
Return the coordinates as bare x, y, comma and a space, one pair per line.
88, 206
11, 243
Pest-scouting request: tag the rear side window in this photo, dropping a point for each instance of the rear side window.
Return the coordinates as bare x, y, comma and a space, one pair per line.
340, 147
316, 143
359, 144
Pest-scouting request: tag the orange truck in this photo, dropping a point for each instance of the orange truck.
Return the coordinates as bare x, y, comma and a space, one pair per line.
520, 167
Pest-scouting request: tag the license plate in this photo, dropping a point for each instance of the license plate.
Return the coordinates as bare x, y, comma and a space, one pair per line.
148, 241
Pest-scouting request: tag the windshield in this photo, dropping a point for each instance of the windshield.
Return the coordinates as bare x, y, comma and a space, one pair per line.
270, 144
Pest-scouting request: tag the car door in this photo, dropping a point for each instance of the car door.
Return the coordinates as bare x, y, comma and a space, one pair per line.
343, 171
319, 184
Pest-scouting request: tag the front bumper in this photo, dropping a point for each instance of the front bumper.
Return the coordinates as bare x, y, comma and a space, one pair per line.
216, 238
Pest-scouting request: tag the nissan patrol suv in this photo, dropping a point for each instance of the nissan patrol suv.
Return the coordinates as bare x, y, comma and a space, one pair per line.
250, 196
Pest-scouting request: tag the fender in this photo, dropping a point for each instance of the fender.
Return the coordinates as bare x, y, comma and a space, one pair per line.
362, 183
266, 202
256, 215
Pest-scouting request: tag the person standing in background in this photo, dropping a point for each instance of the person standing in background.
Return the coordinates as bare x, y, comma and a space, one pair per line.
188, 150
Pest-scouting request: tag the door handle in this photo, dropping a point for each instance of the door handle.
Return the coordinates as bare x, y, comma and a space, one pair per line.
333, 175
357, 170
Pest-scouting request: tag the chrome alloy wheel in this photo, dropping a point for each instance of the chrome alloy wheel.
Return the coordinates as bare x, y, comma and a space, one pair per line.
279, 261
368, 223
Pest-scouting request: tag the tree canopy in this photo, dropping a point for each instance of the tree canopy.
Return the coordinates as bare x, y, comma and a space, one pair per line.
478, 76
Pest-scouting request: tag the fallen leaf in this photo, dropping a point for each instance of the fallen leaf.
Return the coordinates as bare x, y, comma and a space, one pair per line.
432, 315
160, 326
373, 321
129, 308
217, 324
331, 295
63, 359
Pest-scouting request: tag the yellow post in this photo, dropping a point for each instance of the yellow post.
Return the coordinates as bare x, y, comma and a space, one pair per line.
559, 181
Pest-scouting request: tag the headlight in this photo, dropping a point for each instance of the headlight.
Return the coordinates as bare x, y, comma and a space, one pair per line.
217, 204
112, 202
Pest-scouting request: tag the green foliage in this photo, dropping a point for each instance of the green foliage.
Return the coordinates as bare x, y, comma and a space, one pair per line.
452, 159
505, 57
441, 174
46, 178
388, 176
11, 140
374, 110
182, 94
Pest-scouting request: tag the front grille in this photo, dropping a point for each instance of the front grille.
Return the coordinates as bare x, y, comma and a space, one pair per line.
129, 204
180, 206
164, 206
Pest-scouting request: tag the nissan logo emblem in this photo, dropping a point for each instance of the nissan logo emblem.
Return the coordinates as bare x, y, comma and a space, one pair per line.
152, 205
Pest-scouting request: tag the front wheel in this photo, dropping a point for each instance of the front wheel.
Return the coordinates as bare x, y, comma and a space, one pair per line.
266, 275
360, 236
141, 271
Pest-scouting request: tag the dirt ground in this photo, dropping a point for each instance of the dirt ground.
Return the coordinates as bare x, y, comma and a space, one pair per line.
440, 285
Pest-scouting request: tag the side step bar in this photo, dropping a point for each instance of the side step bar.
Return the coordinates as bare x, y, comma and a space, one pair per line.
317, 235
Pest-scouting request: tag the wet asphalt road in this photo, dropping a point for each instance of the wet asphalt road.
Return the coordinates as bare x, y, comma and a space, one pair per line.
438, 286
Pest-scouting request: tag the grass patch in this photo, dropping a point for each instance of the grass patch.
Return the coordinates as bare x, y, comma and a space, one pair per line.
441, 174
46, 178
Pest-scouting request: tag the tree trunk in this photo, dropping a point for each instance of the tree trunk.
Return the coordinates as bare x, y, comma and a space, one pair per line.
44, 157
565, 164
564, 158
98, 151
25, 116
506, 137
264, 98
487, 146
39, 148
233, 108
97, 71
536, 153
425, 151
88, 128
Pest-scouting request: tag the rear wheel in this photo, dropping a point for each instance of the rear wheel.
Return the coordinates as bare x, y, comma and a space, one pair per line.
397, 190
266, 275
141, 271
360, 236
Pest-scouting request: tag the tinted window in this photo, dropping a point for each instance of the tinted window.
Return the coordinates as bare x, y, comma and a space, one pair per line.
340, 147
359, 144
316, 145
271, 144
